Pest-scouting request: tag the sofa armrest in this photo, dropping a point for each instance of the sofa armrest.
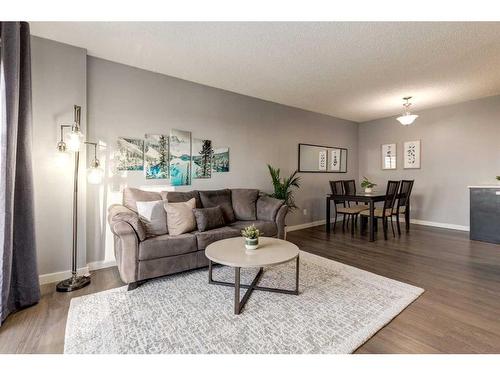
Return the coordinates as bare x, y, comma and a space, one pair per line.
280, 221
126, 251
118, 213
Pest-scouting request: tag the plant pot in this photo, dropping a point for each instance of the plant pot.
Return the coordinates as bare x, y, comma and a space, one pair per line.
251, 244
368, 190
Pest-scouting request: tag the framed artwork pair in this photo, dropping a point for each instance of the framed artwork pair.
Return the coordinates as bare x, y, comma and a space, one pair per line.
411, 155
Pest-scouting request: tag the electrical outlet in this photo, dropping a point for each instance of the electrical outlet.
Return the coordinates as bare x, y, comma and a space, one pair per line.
305, 211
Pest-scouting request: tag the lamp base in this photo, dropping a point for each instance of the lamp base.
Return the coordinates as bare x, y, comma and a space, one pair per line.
73, 283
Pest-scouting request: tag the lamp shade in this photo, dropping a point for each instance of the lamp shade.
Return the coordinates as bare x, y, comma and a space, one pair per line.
95, 175
74, 140
407, 119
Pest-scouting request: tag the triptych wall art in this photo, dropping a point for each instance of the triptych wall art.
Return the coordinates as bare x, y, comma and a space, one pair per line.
411, 155
177, 156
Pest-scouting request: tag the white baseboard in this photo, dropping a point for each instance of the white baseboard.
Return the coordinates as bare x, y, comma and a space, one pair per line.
291, 228
464, 228
100, 264
440, 225
62, 275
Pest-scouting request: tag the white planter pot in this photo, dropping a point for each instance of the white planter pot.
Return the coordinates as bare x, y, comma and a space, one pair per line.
251, 244
368, 190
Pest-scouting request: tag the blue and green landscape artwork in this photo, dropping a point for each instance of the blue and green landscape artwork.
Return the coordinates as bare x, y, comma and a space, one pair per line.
156, 164
180, 157
130, 156
220, 160
201, 160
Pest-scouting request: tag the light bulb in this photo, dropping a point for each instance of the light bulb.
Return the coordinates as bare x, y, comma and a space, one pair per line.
94, 175
62, 160
74, 140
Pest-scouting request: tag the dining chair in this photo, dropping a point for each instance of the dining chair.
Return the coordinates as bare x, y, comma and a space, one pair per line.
337, 188
386, 212
403, 202
350, 189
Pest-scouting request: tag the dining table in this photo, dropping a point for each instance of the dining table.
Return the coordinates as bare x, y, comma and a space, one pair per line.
369, 199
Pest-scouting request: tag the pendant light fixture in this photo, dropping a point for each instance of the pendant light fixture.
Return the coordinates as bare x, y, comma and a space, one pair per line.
407, 118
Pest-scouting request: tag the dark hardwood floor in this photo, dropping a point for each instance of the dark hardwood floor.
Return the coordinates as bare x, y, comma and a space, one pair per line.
458, 313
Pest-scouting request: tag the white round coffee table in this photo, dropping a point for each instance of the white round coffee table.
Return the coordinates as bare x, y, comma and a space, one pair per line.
231, 252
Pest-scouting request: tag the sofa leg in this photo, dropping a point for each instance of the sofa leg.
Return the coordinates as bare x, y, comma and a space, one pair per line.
134, 285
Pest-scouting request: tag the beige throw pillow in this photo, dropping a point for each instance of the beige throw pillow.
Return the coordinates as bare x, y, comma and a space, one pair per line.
180, 217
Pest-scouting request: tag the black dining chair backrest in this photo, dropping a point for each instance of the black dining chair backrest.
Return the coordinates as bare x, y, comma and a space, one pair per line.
405, 192
337, 187
391, 194
349, 187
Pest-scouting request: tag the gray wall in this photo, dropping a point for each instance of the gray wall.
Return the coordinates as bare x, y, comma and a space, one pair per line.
59, 82
125, 101
459, 147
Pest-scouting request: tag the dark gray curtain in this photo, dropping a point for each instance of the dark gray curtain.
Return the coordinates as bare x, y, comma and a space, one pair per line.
18, 271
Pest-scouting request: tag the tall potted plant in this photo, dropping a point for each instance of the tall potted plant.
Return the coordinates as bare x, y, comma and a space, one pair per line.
283, 187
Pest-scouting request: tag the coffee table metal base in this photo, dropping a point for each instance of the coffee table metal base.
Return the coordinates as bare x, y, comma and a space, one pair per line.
239, 304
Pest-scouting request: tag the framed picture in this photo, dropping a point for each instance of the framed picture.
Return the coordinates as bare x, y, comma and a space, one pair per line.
180, 157
412, 155
201, 160
156, 163
220, 160
322, 160
130, 155
389, 156
335, 160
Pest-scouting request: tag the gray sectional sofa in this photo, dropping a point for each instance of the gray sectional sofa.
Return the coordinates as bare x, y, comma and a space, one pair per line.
140, 257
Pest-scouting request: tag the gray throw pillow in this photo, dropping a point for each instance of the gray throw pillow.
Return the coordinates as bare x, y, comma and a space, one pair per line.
181, 196
208, 218
244, 203
221, 198
153, 216
267, 208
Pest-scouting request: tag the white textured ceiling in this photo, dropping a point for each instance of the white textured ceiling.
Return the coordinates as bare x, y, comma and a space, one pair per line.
357, 71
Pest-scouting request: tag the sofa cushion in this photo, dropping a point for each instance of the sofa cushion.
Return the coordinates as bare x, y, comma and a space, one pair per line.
167, 245
180, 217
117, 212
132, 195
208, 218
244, 203
181, 196
267, 228
222, 198
267, 208
153, 217
206, 238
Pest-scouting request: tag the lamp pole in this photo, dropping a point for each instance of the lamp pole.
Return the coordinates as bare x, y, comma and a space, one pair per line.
75, 282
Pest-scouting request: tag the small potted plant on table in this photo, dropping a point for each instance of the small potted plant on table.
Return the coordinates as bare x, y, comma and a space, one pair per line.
251, 235
367, 185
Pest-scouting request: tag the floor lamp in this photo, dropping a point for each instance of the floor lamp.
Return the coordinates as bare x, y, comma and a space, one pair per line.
73, 142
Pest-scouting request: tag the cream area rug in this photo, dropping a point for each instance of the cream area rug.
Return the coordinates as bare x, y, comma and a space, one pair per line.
339, 307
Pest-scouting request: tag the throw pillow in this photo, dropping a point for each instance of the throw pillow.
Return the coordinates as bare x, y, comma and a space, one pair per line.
222, 198
208, 218
180, 217
181, 196
153, 216
244, 203
131, 196
267, 208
